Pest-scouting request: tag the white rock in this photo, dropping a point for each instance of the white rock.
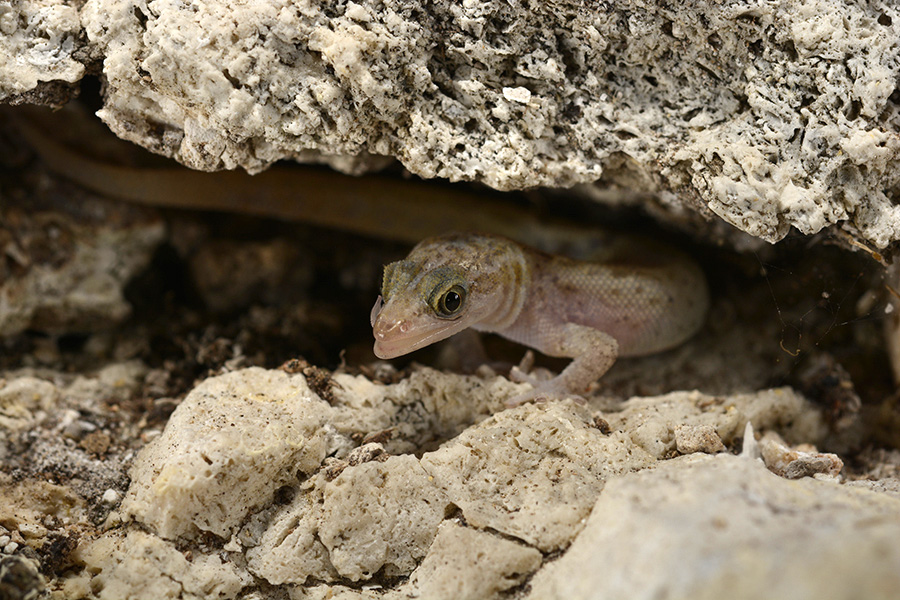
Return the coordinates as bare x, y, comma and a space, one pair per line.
37, 43
517, 94
23, 396
225, 450
508, 487
374, 516
534, 472
140, 565
465, 564
724, 527
110, 496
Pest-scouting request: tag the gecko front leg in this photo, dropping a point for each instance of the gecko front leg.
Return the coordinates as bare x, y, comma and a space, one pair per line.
592, 352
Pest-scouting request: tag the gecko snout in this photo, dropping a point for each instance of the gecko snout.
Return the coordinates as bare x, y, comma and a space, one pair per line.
384, 328
399, 330
389, 335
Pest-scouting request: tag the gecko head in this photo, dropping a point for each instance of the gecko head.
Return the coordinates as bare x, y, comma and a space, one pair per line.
417, 309
428, 297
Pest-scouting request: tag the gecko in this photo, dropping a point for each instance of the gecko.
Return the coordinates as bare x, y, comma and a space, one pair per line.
638, 298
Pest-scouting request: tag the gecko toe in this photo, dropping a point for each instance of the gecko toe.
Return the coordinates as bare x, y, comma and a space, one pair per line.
542, 392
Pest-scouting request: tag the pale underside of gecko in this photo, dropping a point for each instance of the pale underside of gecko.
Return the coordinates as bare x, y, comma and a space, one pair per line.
639, 299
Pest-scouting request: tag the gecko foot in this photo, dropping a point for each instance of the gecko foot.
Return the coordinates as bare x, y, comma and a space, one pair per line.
544, 391
525, 373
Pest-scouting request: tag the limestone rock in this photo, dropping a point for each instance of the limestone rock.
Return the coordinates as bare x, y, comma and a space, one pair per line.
39, 40
21, 398
375, 516
702, 438
771, 116
139, 565
466, 564
533, 473
226, 450
653, 423
414, 488
794, 463
724, 526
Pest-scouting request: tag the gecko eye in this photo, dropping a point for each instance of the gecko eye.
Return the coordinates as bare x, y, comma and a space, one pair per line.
451, 302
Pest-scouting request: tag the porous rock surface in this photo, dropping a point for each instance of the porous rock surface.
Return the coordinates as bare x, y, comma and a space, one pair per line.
770, 115
310, 510
39, 40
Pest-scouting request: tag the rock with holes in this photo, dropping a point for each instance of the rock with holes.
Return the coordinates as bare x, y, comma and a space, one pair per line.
226, 450
140, 565
376, 517
45, 38
414, 486
769, 115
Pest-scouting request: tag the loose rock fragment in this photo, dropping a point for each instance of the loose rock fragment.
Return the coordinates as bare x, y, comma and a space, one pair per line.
794, 463
701, 438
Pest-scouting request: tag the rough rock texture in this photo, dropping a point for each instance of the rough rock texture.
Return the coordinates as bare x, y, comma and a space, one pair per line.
263, 433
724, 526
374, 516
38, 40
295, 484
138, 565
424, 486
491, 565
769, 115
59, 478
257, 458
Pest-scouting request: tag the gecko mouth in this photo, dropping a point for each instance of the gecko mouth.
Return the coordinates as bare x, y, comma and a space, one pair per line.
396, 337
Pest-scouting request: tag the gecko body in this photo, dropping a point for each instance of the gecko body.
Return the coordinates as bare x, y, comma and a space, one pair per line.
634, 300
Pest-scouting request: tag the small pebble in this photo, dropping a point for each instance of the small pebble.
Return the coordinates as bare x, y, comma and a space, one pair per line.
32, 530
110, 496
150, 435
10, 548
4, 540
78, 429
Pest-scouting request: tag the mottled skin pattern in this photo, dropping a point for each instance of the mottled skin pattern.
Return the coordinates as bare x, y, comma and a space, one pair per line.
637, 300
